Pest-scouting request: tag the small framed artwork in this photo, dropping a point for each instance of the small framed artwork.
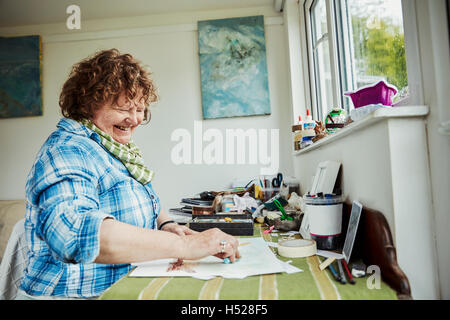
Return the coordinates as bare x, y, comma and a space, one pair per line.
20, 77
233, 67
325, 177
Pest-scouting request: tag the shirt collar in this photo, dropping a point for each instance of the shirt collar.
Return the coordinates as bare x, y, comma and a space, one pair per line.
74, 127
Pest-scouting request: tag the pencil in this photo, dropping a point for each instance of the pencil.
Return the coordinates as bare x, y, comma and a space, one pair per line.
335, 274
341, 271
348, 272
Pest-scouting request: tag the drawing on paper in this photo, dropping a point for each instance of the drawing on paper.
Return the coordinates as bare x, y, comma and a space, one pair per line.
256, 258
182, 265
187, 265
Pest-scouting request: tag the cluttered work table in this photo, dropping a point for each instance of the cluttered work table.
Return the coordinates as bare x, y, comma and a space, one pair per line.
311, 284
276, 263
280, 234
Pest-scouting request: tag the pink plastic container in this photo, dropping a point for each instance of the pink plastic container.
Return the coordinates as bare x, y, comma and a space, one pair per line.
378, 93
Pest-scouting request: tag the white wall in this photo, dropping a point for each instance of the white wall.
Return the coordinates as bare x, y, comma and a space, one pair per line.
171, 52
434, 58
357, 156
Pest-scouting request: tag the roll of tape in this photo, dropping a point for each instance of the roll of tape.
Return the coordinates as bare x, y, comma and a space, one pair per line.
297, 248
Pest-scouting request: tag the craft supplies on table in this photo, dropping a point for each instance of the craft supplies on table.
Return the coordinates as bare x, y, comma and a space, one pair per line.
197, 210
268, 193
276, 182
233, 224
350, 237
227, 203
296, 248
194, 206
293, 186
358, 270
325, 220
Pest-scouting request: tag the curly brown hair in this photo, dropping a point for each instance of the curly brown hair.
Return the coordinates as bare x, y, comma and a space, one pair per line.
102, 77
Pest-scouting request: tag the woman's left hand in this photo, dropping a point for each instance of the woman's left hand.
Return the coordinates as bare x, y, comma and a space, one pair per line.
178, 229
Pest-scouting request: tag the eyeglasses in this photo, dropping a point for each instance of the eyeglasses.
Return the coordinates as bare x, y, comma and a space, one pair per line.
140, 107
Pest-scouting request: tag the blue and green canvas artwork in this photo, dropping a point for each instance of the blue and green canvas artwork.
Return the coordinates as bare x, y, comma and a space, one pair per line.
233, 67
20, 77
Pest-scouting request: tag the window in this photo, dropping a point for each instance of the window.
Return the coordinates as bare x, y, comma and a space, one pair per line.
351, 44
321, 54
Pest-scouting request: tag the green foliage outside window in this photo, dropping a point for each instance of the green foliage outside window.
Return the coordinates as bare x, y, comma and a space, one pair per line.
380, 51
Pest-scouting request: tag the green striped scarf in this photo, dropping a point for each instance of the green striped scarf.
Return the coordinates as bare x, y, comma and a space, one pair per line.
129, 154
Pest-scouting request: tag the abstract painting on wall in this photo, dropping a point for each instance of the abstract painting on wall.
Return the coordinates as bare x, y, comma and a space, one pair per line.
20, 77
233, 67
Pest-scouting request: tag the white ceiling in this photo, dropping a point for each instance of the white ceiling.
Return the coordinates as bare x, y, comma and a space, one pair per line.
25, 12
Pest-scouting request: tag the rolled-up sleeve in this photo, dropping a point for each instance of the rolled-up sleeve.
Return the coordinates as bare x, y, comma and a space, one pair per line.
66, 195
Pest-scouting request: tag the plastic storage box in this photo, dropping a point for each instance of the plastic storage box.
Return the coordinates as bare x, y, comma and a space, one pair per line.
381, 93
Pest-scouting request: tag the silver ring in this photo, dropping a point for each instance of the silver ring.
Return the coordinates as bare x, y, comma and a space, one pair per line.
223, 243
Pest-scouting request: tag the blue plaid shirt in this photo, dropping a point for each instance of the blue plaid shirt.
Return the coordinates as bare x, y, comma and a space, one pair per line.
72, 187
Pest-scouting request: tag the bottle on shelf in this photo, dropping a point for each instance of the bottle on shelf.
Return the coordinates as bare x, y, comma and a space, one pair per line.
308, 127
297, 131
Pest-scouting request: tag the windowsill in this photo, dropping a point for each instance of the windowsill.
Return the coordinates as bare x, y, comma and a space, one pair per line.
374, 117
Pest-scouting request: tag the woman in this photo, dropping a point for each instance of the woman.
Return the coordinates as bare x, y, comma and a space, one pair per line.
91, 208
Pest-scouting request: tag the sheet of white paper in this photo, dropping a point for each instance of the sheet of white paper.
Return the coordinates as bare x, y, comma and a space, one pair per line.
289, 268
330, 254
256, 258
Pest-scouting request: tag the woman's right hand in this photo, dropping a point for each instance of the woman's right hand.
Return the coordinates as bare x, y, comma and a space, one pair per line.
211, 242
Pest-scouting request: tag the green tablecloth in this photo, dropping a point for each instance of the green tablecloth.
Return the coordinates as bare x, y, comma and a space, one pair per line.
311, 284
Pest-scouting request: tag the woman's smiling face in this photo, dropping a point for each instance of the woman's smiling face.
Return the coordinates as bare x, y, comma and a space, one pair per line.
120, 119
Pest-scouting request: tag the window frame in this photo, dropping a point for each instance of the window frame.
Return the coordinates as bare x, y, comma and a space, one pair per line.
414, 69
332, 43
